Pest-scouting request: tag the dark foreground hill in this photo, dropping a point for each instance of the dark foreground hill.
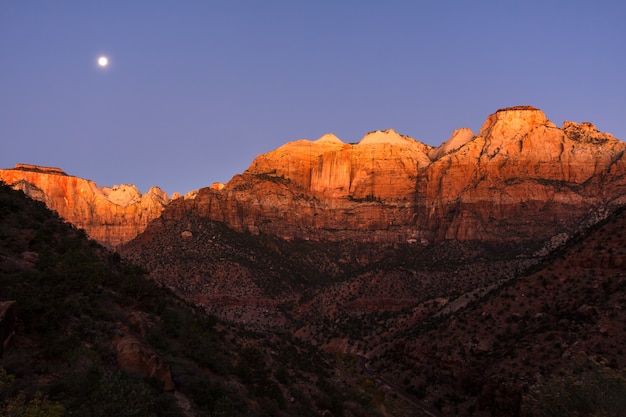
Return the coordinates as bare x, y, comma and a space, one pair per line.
87, 334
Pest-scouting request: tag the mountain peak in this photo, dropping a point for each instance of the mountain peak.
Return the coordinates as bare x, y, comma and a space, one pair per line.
110, 215
40, 169
512, 121
384, 136
329, 137
122, 195
458, 138
585, 132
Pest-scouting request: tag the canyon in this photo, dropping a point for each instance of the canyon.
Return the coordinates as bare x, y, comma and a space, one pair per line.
494, 226
378, 248
519, 179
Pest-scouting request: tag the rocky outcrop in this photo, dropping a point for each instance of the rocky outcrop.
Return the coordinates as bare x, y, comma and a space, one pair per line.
135, 355
458, 138
381, 166
521, 178
109, 215
323, 189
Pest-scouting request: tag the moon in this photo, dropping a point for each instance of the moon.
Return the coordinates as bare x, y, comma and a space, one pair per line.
103, 61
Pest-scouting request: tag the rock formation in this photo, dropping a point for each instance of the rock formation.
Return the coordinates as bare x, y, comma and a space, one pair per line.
110, 216
520, 178
489, 201
323, 189
135, 355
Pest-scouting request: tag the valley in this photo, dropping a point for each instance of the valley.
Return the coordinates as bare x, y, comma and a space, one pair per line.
467, 277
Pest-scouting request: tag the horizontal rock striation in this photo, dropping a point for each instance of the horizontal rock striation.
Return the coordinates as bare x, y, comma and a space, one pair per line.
521, 178
111, 216
322, 189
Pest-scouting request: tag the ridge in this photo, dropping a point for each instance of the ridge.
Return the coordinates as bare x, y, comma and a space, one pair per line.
38, 168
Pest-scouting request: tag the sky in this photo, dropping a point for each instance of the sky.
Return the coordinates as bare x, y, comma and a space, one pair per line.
195, 90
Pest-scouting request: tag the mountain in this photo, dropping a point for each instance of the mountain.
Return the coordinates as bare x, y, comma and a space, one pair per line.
285, 246
465, 278
111, 216
520, 179
84, 333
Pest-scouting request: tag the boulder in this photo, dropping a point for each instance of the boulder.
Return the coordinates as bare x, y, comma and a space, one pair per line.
135, 355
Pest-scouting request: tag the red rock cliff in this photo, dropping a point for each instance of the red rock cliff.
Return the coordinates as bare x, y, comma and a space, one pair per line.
323, 189
520, 178
111, 216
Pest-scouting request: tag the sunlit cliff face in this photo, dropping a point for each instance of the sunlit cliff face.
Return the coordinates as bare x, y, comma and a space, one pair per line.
382, 164
520, 177
109, 215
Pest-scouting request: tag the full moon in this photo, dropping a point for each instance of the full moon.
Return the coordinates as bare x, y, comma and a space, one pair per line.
103, 61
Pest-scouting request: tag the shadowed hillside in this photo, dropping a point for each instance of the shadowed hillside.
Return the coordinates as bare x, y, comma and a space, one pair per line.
468, 328
91, 336
482, 277
526, 344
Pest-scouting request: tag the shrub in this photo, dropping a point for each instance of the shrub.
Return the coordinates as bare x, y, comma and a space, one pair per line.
588, 389
14, 404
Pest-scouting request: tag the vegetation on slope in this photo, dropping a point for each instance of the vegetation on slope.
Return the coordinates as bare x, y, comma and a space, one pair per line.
542, 344
520, 347
586, 388
74, 299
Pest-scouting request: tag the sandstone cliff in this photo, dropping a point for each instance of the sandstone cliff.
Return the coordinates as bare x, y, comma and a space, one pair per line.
521, 178
323, 189
111, 216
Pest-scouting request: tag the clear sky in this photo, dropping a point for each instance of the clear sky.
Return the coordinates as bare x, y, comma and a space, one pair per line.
195, 90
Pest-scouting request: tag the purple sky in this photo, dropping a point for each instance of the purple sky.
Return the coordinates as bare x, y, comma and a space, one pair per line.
196, 89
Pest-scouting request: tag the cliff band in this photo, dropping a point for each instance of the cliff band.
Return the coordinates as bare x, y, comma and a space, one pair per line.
520, 178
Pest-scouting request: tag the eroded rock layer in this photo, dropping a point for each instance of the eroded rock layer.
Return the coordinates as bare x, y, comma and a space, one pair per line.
111, 216
521, 178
